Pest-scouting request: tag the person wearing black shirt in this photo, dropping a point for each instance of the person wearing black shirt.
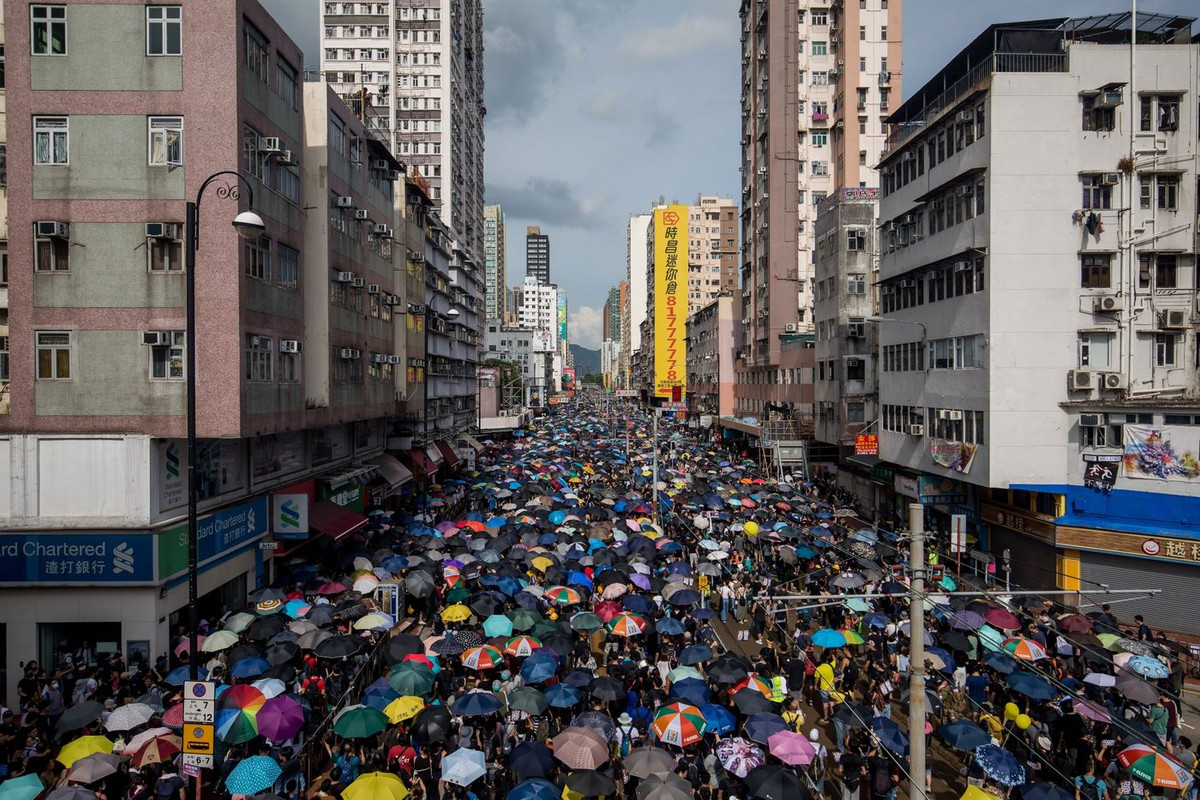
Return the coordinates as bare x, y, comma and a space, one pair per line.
851, 767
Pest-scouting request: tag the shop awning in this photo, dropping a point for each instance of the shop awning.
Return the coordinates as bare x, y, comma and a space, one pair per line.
391, 469
452, 459
420, 461
472, 442
434, 455
870, 462
737, 425
334, 521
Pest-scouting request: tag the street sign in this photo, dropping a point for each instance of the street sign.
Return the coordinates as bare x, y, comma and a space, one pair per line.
958, 533
200, 690
198, 739
194, 762
268, 545
201, 711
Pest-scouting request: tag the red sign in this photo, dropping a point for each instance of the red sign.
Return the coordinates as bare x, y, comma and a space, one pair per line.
866, 444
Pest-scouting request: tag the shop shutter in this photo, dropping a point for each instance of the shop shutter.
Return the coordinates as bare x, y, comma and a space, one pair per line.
1169, 609
1034, 563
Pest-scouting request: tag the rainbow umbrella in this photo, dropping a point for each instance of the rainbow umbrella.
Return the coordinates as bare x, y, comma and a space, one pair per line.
679, 724
1023, 649
562, 596
521, 646
626, 624
754, 682
852, 637
237, 711
485, 657
1154, 767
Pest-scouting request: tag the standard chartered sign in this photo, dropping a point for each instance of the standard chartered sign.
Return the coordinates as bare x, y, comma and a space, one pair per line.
76, 558
217, 534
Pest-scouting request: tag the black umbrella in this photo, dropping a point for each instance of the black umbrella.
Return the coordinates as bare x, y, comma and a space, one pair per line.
955, 640
267, 593
419, 583
774, 782
598, 721
320, 615
284, 672
728, 669
431, 725
531, 759
339, 647
751, 701
264, 628
855, 715
80, 716
607, 689
486, 604
580, 679
590, 783
282, 653
448, 646
241, 651
401, 645
349, 609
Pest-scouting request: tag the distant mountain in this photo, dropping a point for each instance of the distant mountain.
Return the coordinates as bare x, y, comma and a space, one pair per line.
587, 362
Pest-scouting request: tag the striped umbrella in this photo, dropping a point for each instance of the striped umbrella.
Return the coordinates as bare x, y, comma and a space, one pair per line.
1023, 649
852, 637
1154, 767
521, 646
563, 596
485, 657
626, 624
237, 712
754, 682
680, 724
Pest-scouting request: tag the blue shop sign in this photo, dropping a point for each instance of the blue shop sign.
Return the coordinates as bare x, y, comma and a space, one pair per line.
220, 532
76, 558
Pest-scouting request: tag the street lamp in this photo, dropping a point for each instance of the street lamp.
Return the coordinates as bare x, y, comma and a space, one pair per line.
427, 313
249, 226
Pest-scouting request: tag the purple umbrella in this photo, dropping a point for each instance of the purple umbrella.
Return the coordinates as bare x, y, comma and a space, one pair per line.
280, 718
967, 620
641, 581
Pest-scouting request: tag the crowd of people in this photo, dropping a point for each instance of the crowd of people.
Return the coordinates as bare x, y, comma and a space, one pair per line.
560, 637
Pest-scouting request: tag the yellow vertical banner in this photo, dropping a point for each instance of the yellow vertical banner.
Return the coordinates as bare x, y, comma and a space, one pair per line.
670, 299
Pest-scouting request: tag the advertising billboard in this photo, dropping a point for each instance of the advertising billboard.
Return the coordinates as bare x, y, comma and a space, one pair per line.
670, 299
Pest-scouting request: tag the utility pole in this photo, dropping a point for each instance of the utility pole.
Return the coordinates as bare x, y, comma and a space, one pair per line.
916, 664
654, 451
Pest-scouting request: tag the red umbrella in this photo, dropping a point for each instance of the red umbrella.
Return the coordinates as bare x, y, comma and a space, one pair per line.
607, 610
173, 717
420, 658
1075, 623
1002, 619
333, 587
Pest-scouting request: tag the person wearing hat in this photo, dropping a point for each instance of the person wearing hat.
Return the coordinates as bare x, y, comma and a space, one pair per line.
626, 735
816, 769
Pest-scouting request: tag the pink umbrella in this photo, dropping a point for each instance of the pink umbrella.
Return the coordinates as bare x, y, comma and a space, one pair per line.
1092, 711
614, 590
280, 718
333, 587
791, 748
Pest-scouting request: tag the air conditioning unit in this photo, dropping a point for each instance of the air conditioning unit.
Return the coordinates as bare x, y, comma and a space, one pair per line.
346, 353
394, 175
1110, 179
373, 288
908, 155
964, 191
1109, 99
789, 327
362, 213
61, 230
379, 358
380, 229
962, 266
162, 230
964, 116
394, 359
156, 338
259, 341
269, 144
762, 170
1092, 420
391, 300
908, 219
833, 71
359, 283
745, 320
1174, 320
381, 164
916, 430
345, 202
952, 414
1080, 380
290, 346
908, 284
1106, 302
344, 277
1115, 380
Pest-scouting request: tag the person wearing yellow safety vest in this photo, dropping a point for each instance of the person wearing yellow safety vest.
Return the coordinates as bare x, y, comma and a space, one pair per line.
778, 689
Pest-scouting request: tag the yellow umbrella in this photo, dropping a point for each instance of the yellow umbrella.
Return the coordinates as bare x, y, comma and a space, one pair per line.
371, 621
403, 708
376, 786
456, 613
541, 563
83, 747
975, 793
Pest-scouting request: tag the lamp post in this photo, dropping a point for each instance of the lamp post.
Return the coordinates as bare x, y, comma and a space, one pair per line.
427, 313
249, 226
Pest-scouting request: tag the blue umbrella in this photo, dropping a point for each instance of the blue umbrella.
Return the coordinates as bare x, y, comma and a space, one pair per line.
638, 604
249, 668
1000, 765
694, 691
1045, 791
944, 655
253, 775
557, 517
476, 704
720, 719
177, 676
703, 613
962, 734
877, 621
562, 695
395, 563
694, 654
890, 735
535, 789
1030, 685
1148, 667
579, 579
684, 597
669, 626
1001, 662
759, 727
827, 637
539, 667
865, 535
379, 695
679, 568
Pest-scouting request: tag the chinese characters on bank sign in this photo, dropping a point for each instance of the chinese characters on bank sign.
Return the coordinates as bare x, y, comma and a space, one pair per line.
670, 298
76, 558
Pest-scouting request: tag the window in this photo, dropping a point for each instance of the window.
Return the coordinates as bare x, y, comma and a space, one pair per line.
255, 43
258, 259
166, 360
4, 358
820, 48
287, 266
862, 33
856, 239
48, 30
289, 367
3, 164
1096, 193
1095, 271
820, 16
819, 139
856, 284
285, 82
166, 141
165, 255
52, 253
1160, 112
258, 358
53, 355
50, 140
1164, 349
1163, 267
1168, 191
1094, 349
1096, 118
820, 78
164, 30
883, 33
256, 163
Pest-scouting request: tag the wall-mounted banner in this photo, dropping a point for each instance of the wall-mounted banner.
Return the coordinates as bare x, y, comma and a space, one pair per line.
1164, 453
953, 455
670, 299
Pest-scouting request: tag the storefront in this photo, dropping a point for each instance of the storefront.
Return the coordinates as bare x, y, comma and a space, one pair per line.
1023, 545
450, 458
341, 503
384, 491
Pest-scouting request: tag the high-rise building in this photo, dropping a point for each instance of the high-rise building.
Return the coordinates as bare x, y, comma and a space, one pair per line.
637, 261
612, 312
414, 70
818, 81
712, 250
537, 254
493, 259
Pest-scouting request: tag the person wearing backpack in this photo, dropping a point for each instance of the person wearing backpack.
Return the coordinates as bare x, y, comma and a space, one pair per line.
169, 785
627, 734
1089, 787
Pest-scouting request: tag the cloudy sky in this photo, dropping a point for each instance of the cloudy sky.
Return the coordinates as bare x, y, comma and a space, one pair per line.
596, 109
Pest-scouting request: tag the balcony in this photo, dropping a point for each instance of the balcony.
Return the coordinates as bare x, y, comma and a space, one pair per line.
819, 117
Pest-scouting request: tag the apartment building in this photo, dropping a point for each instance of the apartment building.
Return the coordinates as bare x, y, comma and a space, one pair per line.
711, 341
414, 70
537, 254
296, 342
1039, 303
818, 81
633, 311
494, 259
712, 250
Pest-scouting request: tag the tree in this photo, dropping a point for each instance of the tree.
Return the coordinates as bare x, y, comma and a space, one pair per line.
510, 374
594, 379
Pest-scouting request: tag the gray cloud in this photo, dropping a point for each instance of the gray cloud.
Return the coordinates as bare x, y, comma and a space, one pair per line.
693, 32
548, 201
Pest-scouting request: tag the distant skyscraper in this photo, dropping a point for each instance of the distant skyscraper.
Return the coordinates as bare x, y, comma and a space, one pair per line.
537, 254
493, 258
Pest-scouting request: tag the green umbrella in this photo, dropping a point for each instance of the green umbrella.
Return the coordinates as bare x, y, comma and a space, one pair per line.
457, 594
544, 628
586, 621
529, 700
25, 787
359, 722
411, 678
524, 618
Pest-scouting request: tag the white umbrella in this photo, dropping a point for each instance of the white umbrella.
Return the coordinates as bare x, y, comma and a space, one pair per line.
464, 766
128, 717
1100, 679
270, 687
136, 742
